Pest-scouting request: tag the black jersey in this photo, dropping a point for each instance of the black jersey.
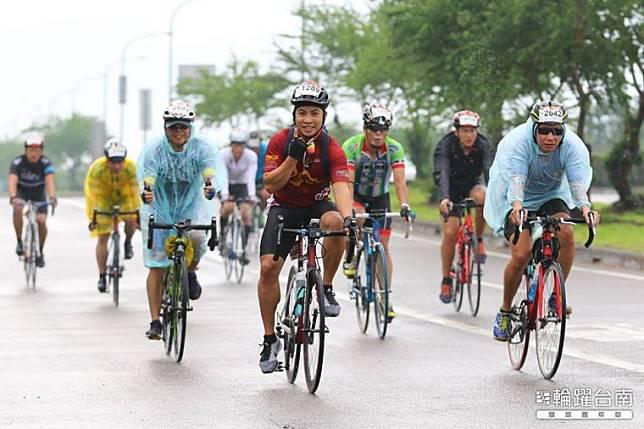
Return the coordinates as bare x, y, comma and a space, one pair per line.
31, 177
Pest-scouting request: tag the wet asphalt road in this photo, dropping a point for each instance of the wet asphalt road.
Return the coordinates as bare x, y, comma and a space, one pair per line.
69, 358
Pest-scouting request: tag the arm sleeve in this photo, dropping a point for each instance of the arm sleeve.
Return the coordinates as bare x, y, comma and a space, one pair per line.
518, 171
441, 168
488, 158
579, 173
90, 189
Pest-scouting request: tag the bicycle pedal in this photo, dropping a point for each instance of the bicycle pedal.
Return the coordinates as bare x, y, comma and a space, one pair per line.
189, 308
280, 367
326, 329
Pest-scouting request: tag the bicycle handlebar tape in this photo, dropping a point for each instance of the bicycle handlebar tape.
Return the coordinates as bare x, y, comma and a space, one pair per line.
150, 231
280, 225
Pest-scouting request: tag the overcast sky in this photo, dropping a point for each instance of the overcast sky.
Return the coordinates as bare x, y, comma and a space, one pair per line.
50, 47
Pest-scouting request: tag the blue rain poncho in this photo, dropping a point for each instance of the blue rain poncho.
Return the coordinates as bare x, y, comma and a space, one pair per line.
522, 172
177, 180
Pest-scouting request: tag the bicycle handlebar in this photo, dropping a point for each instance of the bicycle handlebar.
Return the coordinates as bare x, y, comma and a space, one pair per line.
305, 231
532, 218
115, 212
386, 214
184, 226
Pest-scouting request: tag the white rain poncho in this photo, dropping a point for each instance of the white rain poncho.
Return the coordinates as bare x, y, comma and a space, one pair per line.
522, 172
177, 179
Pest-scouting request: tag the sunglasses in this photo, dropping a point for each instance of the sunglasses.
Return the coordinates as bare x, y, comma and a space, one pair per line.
544, 131
376, 128
181, 127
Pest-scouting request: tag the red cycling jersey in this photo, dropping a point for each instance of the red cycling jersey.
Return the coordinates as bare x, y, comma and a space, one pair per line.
306, 186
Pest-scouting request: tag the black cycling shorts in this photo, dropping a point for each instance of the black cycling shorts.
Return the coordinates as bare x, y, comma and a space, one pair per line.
458, 192
548, 208
238, 191
294, 217
40, 210
381, 203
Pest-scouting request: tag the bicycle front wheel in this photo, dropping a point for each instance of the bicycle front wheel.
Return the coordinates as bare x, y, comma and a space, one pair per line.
167, 306
291, 322
361, 292
457, 297
551, 320
380, 287
519, 331
115, 270
229, 234
33, 254
473, 265
180, 313
314, 330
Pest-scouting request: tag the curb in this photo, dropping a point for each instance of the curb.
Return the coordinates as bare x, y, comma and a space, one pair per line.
604, 257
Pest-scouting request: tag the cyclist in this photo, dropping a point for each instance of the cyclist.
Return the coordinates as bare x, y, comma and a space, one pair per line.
462, 161
172, 170
258, 145
111, 181
31, 177
372, 156
302, 163
540, 166
241, 166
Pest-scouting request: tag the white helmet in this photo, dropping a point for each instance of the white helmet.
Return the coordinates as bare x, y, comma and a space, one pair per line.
115, 150
377, 114
178, 112
238, 136
35, 140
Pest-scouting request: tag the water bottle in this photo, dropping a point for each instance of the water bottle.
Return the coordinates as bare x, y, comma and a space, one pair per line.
300, 284
533, 288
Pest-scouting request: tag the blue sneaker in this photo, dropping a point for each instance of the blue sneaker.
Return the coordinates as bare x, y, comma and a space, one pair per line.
501, 330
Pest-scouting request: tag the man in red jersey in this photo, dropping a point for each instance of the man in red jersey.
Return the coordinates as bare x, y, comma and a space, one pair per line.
302, 164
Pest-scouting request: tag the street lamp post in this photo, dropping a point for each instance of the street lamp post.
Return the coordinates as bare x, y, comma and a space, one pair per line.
170, 32
122, 81
105, 75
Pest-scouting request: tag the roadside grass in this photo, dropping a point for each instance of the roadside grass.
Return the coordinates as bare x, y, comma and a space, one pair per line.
620, 231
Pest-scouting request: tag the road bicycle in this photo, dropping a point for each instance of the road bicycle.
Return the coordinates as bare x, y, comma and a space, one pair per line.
371, 281
233, 244
300, 323
114, 268
31, 239
175, 301
467, 265
540, 302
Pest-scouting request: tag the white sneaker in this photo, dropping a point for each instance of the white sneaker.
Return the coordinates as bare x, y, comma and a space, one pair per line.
268, 357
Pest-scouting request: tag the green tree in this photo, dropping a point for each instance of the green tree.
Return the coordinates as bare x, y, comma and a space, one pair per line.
240, 92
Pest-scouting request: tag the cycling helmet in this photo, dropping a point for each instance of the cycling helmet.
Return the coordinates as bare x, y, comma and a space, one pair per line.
178, 112
466, 118
34, 140
549, 111
377, 114
115, 150
238, 136
310, 93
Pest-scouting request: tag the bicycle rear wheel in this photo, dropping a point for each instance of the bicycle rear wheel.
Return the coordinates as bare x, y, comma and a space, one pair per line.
380, 290
473, 275
314, 330
520, 333
238, 246
181, 311
115, 270
292, 346
551, 321
361, 292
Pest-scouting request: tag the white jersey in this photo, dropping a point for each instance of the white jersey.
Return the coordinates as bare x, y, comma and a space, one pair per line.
241, 171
